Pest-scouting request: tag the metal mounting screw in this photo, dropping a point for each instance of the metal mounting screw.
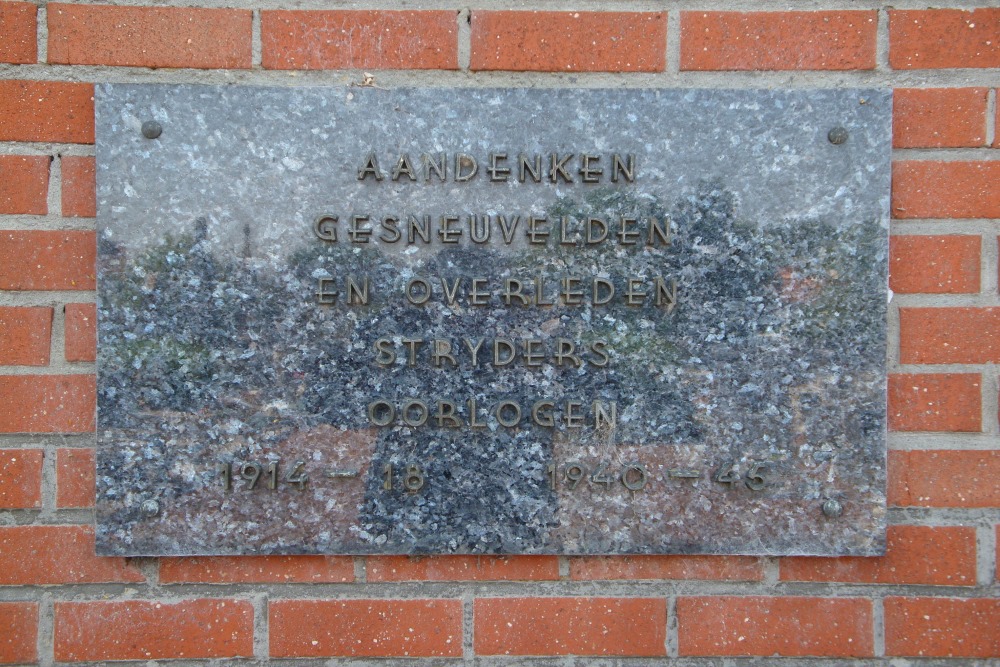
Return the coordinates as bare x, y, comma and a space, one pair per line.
151, 129
150, 508
832, 508
837, 135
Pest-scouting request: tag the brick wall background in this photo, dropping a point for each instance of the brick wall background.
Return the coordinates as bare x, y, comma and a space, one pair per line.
935, 593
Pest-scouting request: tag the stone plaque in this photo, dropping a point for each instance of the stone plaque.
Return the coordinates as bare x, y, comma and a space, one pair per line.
356, 320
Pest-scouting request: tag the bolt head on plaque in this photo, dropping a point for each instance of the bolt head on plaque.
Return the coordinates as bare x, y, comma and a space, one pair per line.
837, 135
151, 129
832, 508
149, 508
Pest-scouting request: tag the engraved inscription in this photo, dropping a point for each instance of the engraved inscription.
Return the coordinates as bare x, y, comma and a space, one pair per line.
553, 167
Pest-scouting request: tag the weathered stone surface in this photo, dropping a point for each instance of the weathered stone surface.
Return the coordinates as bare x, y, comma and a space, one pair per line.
740, 408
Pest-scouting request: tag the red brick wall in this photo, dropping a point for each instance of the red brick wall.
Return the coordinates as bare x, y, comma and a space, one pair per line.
935, 593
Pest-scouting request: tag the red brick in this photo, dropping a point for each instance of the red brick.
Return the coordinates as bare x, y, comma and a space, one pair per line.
939, 117
81, 331
352, 39
25, 335
997, 543
935, 556
47, 403
949, 335
151, 630
944, 478
569, 41
924, 189
775, 626
571, 626
49, 555
832, 40
21, 472
721, 568
934, 264
47, 111
149, 36
936, 402
18, 643
942, 627
462, 568
48, 260
412, 628
24, 184
18, 33
937, 38
75, 478
79, 187
257, 569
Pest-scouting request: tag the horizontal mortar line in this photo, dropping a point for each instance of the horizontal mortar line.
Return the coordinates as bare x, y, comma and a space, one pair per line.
40, 440
43, 517
799, 79
945, 154
969, 300
902, 223
46, 148
946, 227
68, 368
985, 148
405, 590
585, 5
423, 79
417, 590
943, 368
581, 5
742, 80
34, 592
941, 78
931, 369
45, 298
943, 515
577, 5
908, 441
842, 589
45, 223
757, 80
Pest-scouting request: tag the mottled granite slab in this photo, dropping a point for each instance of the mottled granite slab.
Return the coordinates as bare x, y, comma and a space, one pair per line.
261, 384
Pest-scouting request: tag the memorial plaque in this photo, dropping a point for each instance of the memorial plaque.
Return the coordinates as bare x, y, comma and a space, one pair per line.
356, 320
